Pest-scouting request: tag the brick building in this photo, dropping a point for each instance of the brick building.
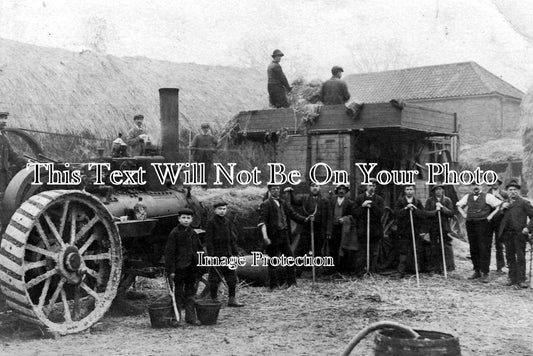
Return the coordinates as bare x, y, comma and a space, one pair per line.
486, 106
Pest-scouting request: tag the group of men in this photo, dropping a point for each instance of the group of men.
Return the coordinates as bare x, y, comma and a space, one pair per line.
351, 231
334, 91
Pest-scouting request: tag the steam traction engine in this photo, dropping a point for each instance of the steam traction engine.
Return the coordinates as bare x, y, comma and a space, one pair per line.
66, 250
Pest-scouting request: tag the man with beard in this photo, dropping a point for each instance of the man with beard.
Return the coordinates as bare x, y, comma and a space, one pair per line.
480, 207
406, 206
315, 204
274, 224
439, 203
369, 203
514, 232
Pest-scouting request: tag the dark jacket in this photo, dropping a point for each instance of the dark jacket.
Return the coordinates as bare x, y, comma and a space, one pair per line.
269, 216
403, 219
206, 145
347, 208
515, 216
8, 157
446, 213
376, 212
182, 248
323, 214
276, 77
335, 92
220, 239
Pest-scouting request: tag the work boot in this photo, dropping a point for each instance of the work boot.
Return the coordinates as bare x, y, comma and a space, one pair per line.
523, 285
485, 278
232, 302
476, 275
190, 313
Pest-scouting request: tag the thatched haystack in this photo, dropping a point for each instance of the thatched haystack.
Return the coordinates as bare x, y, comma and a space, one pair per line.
526, 115
494, 151
96, 95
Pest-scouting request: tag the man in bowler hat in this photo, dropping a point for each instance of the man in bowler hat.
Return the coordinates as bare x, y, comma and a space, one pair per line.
278, 86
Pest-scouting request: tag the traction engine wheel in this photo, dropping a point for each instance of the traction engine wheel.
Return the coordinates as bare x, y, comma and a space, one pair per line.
60, 260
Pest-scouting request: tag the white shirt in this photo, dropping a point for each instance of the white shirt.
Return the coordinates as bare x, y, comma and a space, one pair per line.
489, 199
340, 200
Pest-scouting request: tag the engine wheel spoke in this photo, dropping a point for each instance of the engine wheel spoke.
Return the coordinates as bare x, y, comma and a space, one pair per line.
58, 290
99, 256
76, 304
90, 291
63, 218
44, 292
42, 234
86, 228
53, 229
91, 272
66, 310
40, 278
87, 243
42, 251
37, 264
72, 227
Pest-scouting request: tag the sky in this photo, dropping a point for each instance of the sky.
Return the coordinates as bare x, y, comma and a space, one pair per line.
359, 35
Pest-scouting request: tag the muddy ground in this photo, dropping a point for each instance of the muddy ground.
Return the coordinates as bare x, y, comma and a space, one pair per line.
490, 319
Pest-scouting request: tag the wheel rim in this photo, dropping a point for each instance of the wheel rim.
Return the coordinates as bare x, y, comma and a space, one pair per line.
60, 260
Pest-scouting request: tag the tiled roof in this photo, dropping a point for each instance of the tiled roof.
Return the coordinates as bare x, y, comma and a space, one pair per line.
439, 81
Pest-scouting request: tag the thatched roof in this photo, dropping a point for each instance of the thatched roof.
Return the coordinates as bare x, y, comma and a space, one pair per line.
86, 93
494, 151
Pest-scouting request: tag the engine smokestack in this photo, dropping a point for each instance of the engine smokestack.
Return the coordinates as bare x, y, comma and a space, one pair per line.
170, 132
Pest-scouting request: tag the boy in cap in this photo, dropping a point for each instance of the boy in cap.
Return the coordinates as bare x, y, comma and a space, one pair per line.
181, 259
7, 155
436, 203
220, 241
334, 90
514, 232
203, 147
278, 86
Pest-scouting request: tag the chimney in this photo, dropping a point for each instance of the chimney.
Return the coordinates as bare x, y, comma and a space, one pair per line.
170, 133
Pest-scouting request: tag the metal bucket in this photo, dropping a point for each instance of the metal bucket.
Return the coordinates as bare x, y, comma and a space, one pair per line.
395, 339
161, 315
393, 342
207, 312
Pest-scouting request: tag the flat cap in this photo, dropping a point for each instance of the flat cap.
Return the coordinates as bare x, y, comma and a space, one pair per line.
512, 183
205, 125
138, 117
336, 69
277, 53
345, 186
4, 114
220, 203
185, 211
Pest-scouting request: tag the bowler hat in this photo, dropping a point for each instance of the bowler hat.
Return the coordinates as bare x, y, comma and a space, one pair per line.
185, 211
345, 186
204, 125
277, 53
336, 69
513, 183
220, 203
138, 117
4, 114
438, 185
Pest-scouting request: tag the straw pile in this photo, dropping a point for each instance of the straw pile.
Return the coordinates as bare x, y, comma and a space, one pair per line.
94, 95
500, 150
526, 113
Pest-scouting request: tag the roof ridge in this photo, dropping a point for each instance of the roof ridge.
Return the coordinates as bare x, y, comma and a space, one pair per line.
413, 68
482, 72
